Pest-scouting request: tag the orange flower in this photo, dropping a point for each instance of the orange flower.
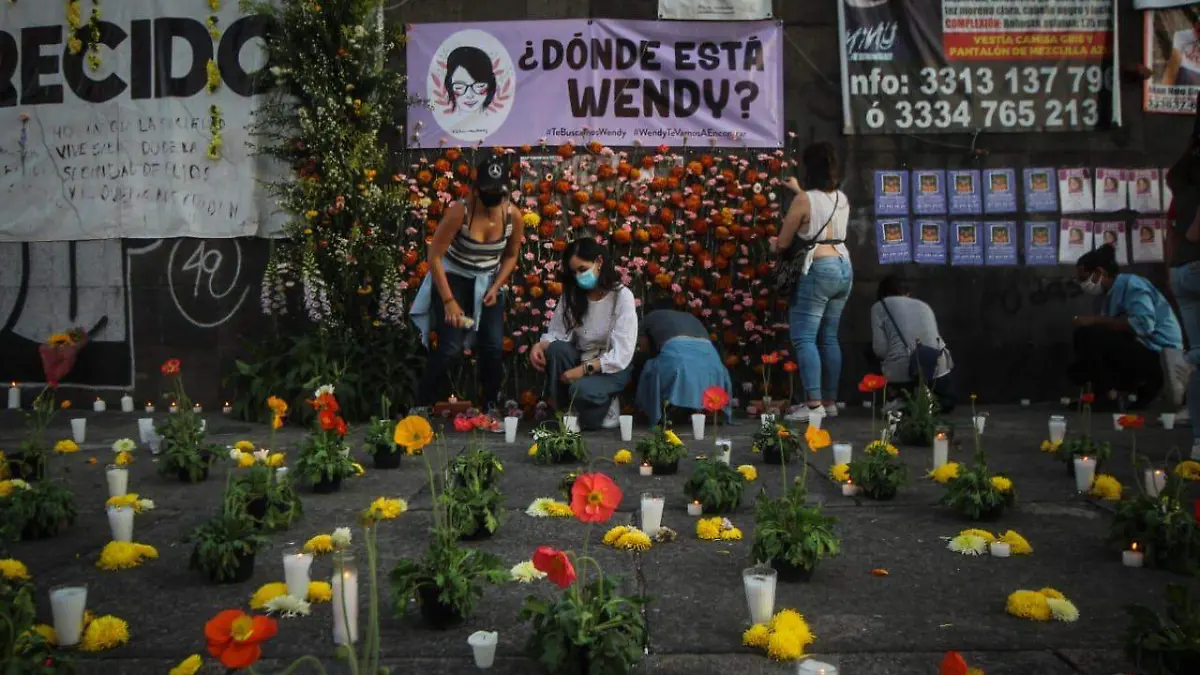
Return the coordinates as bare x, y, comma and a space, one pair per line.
770, 358
872, 383
170, 367
594, 497
234, 636
714, 399
1131, 421
816, 438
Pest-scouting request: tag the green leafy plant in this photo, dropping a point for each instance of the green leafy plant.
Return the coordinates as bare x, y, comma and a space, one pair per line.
594, 631
920, 416
263, 495
184, 451
324, 455
1083, 444
790, 532
473, 503
32, 450
379, 436
23, 650
1162, 527
37, 510
1166, 645
879, 472
556, 445
224, 543
975, 492
477, 466
716, 485
777, 443
566, 483
662, 448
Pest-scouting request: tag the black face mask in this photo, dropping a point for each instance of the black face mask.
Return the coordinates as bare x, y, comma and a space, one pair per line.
490, 199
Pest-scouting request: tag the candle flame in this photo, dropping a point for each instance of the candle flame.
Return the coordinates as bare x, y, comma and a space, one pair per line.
1134, 548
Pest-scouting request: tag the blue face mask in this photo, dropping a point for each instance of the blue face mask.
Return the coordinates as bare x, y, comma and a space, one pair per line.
587, 280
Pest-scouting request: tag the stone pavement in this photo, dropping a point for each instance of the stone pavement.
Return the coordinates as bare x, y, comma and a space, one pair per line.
933, 600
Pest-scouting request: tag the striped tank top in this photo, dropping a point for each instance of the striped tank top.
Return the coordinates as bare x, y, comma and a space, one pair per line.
475, 255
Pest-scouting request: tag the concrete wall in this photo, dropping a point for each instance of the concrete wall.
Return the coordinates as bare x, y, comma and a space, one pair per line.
198, 299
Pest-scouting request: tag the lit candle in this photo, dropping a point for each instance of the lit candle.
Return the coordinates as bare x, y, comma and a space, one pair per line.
99, 405
118, 480
1066, 400
1058, 428
1000, 549
196, 408
698, 421
453, 398
645, 469
126, 403
173, 407
1155, 480
120, 523
14, 396
849, 489
67, 605
867, 404
149, 407
814, 667
1133, 557
759, 584
345, 600
296, 564
226, 408
980, 421
695, 508
941, 447
841, 453
652, 510
1085, 472
626, 422
79, 429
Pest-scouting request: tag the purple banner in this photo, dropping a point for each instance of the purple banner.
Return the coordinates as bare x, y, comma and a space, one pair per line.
891, 240
929, 237
615, 82
1041, 242
929, 192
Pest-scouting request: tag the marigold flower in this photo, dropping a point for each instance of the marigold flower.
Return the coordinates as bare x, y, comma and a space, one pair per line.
320, 544
47, 633
1106, 487
945, 473
748, 472
118, 555
1016, 543
1002, 484
1188, 469
708, 528
557, 509
784, 646
633, 540
13, 570
614, 534
319, 591
672, 438
982, 534
66, 447
103, 633
533, 450
387, 509
968, 544
840, 472
1050, 446
622, 457
1028, 605
594, 497
1062, 609
756, 636
234, 637
244, 446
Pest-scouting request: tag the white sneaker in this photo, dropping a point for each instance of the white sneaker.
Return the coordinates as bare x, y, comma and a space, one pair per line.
831, 410
612, 418
1176, 371
797, 413
1183, 417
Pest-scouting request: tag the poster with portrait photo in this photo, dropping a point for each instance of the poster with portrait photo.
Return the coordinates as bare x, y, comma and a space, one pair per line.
966, 243
929, 242
1145, 194
1001, 248
1074, 239
1041, 242
1110, 190
892, 241
1040, 193
891, 193
1000, 191
966, 194
1075, 190
1112, 232
929, 192
1147, 236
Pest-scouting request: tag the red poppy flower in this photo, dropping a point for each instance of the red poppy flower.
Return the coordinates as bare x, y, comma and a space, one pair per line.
1131, 421
340, 427
594, 497
770, 359
463, 423
953, 663
714, 399
790, 367
872, 383
326, 402
327, 419
170, 367
1088, 398
555, 564
234, 636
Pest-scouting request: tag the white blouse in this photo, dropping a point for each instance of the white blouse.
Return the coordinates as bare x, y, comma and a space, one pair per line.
608, 332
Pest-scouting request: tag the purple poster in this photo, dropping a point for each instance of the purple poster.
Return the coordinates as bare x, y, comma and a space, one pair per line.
615, 82
891, 236
1001, 243
1041, 242
929, 242
966, 194
929, 192
891, 193
966, 243
1041, 195
1000, 191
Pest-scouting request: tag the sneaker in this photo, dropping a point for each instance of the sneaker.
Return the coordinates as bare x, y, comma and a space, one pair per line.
1176, 371
799, 414
612, 419
831, 410
1183, 418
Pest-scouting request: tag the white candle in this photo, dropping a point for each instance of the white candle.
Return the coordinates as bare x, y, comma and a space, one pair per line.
1155, 480
695, 508
1066, 400
980, 421
79, 429
295, 572
867, 405
1000, 549
14, 396
626, 427
67, 605
571, 422
1024, 403
1058, 428
99, 405
120, 523
1168, 420
280, 473
197, 408
1117, 421
652, 510
173, 408
941, 449
149, 407
483, 645
841, 405
126, 403
759, 584
646, 470
145, 429
345, 616
510, 429
724, 449
698, 421
1085, 472
1133, 557
226, 408
118, 480
849, 489
841, 453
814, 667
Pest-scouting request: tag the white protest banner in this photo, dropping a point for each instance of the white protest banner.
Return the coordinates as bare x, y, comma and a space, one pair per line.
117, 140
714, 10
1159, 4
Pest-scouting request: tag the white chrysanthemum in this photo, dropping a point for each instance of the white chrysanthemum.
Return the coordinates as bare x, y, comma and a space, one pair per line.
235, 454
525, 572
289, 606
323, 389
1062, 609
145, 505
968, 544
261, 456
19, 484
124, 445
341, 537
538, 508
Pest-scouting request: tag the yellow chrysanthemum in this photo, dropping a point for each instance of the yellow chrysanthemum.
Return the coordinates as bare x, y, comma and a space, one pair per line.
1028, 605
840, 472
634, 540
189, 666
731, 534
357, 468
614, 534
13, 570
945, 473
784, 646
672, 438
119, 555
1048, 446
1188, 469
982, 534
748, 472
622, 457
267, 593
244, 446
1052, 593
1002, 484
129, 501
533, 450
756, 636
48, 633
123, 459
66, 447
531, 219
877, 447
787, 620
559, 510
708, 528
1016, 543
245, 461
276, 459
319, 591
318, 545
1106, 487
105, 632
388, 509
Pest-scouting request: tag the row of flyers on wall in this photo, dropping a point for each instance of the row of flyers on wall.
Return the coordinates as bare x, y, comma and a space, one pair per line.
932, 192
936, 242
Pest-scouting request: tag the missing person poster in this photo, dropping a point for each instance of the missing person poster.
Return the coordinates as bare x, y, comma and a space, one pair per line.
1171, 52
1000, 194
929, 192
1112, 233
1002, 243
1041, 195
892, 242
1148, 239
1144, 191
930, 242
1074, 239
1041, 242
891, 193
1075, 190
1110, 190
966, 243
966, 195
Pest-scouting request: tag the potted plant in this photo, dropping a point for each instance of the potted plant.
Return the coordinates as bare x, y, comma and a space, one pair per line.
1170, 644
663, 449
1083, 444
474, 506
184, 452
324, 456
556, 444
378, 441
29, 461
878, 472
23, 649
36, 511
716, 485
225, 546
975, 492
257, 489
777, 443
920, 416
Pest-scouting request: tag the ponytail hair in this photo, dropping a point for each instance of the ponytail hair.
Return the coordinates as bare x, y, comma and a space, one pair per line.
1103, 258
820, 167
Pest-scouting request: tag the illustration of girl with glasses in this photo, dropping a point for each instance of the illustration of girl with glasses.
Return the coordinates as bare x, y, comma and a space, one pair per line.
470, 81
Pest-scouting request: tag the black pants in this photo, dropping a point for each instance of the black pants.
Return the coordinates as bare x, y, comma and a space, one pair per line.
1113, 360
590, 395
489, 344
939, 388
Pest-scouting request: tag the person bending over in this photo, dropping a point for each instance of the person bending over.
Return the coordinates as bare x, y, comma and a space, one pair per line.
1118, 351
898, 322
682, 364
587, 352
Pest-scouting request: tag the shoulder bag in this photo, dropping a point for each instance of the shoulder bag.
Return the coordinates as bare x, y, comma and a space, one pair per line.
922, 360
790, 265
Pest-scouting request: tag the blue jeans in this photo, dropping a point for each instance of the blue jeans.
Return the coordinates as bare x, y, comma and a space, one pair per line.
813, 319
1185, 282
489, 346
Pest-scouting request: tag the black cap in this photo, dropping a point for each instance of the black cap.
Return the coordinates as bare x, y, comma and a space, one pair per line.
492, 175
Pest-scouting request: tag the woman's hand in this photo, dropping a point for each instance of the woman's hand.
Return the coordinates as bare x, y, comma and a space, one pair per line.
572, 375
537, 356
453, 314
489, 299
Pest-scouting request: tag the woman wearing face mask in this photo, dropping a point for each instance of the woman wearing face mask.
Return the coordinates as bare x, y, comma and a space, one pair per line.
1118, 351
588, 350
471, 257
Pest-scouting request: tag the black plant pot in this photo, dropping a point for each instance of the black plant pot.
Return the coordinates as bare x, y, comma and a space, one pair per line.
32, 470
992, 514
481, 532
257, 508
785, 571
666, 469
708, 510
33, 532
244, 571
326, 486
387, 457
436, 615
882, 494
773, 456
186, 477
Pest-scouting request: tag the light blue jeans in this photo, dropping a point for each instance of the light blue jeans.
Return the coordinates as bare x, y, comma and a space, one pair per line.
813, 319
1185, 282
